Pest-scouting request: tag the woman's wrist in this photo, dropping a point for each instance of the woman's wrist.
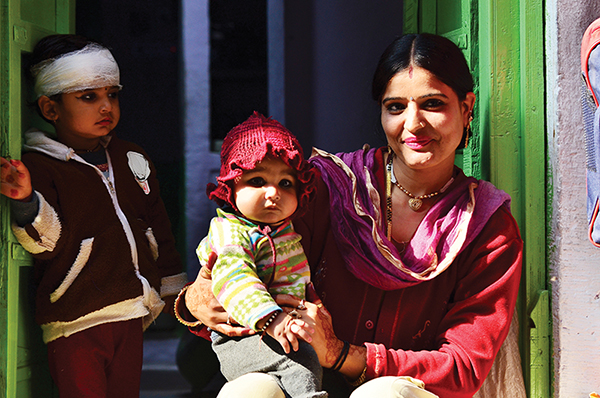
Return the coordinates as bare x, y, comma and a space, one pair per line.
361, 379
182, 313
354, 368
339, 362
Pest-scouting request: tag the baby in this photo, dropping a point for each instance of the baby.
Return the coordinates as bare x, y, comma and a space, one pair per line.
264, 181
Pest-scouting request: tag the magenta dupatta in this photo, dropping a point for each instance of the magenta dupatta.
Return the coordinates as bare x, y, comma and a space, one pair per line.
357, 222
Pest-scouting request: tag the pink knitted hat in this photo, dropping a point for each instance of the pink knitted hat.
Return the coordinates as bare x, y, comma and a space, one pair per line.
248, 144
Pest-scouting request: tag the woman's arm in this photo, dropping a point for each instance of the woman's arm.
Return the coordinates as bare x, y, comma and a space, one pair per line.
197, 306
476, 322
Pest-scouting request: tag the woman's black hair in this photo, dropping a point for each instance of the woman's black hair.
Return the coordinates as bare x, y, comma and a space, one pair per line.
437, 54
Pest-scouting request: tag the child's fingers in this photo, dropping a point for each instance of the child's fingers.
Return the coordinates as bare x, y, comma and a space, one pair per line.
293, 340
301, 324
284, 343
301, 332
20, 168
14, 178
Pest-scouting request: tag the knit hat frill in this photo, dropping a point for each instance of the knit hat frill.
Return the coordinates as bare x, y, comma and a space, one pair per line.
248, 144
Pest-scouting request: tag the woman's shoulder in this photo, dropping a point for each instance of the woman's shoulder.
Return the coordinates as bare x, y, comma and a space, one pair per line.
503, 221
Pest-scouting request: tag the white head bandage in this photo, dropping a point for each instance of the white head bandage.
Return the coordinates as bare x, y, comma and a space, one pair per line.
91, 67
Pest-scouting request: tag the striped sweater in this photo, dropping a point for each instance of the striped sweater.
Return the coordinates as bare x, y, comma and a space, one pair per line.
242, 277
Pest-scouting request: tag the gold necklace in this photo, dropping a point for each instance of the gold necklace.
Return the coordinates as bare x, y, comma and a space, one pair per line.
415, 202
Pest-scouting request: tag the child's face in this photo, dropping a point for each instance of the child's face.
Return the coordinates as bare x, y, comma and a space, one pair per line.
267, 193
87, 114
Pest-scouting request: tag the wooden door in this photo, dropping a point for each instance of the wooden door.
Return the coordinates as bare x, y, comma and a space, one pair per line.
503, 42
23, 364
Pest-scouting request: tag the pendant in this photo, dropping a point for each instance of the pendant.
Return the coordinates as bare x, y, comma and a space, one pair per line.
415, 203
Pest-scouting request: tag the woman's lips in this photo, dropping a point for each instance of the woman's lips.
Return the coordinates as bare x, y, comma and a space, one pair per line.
105, 122
417, 143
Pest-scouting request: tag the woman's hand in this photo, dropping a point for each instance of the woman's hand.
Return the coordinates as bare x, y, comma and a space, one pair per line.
287, 330
203, 305
15, 181
324, 340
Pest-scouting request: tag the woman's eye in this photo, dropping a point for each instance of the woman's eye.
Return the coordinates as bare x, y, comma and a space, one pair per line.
256, 182
113, 95
433, 103
395, 108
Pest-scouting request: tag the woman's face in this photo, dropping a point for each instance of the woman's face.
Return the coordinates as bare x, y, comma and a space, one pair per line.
423, 119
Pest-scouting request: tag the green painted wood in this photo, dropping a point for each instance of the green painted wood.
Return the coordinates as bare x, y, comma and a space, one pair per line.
533, 213
428, 16
411, 16
511, 42
540, 347
503, 41
23, 366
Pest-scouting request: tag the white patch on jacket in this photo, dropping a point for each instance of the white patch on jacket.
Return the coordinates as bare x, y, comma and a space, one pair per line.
140, 167
83, 256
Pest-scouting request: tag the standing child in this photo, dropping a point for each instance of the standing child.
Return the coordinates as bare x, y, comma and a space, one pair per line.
264, 180
92, 217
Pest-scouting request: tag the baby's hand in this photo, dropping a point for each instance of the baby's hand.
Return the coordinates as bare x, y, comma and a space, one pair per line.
15, 181
286, 330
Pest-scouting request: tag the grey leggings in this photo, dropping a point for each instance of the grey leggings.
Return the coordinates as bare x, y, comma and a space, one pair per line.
298, 373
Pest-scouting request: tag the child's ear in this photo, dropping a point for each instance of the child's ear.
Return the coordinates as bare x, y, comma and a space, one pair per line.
48, 108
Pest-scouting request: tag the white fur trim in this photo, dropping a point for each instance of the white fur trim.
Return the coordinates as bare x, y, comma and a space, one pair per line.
152, 242
172, 285
152, 300
122, 311
83, 256
156, 305
46, 223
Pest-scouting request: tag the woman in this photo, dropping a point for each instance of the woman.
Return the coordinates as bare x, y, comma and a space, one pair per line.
417, 266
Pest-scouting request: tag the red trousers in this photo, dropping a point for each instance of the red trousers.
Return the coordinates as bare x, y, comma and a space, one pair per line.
99, 362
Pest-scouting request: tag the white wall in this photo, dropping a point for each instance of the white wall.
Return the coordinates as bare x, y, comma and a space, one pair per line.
574, 261
199, 161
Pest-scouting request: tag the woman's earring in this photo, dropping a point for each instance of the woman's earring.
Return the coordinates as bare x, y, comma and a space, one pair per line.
468, 131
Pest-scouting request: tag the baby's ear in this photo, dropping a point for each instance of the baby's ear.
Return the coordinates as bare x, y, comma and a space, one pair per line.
48, 108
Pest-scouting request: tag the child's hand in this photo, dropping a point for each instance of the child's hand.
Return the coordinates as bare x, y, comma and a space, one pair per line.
286, 330
15, 181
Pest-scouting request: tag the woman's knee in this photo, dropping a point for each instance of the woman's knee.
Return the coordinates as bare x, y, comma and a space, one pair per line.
252, 385
392, 387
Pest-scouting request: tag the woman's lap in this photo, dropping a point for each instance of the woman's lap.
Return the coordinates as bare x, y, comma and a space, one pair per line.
260, 385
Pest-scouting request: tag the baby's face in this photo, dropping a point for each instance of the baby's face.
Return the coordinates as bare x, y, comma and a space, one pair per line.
267, 194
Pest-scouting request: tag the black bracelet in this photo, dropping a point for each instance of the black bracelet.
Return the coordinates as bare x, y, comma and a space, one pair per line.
342, 358
269, 321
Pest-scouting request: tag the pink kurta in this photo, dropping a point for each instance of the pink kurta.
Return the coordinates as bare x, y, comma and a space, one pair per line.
445, 331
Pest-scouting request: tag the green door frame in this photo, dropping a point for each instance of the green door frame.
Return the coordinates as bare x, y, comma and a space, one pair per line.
23, 372
504, 42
